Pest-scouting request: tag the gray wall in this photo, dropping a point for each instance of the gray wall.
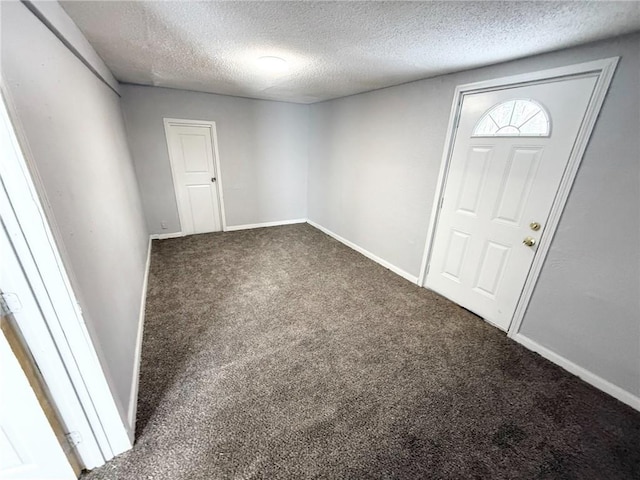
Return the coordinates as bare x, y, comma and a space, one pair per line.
262, 146
371, 179
373, 167
53, 12
75, 132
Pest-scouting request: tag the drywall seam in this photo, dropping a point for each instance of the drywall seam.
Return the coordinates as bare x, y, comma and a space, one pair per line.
54, 22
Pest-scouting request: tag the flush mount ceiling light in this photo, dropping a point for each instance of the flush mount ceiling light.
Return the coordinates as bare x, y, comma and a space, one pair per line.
273, 64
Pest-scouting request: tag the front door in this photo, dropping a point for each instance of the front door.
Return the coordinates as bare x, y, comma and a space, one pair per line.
194, 174
510, 151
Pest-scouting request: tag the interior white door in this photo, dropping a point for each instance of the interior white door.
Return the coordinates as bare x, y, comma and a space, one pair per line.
510, 151
29, 449
194, 175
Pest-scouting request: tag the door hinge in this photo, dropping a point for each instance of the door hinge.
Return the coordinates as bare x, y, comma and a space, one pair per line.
440, 202
73, 439
9, 303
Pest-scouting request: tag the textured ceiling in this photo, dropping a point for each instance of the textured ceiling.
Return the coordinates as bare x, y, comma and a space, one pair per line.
333, 48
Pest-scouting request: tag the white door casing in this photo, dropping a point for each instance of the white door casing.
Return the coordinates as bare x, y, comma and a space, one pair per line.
492, 188
29, 449
50, 320
196, 175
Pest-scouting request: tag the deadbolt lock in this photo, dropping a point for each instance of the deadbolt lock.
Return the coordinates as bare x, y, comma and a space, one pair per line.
529, 241
535, 226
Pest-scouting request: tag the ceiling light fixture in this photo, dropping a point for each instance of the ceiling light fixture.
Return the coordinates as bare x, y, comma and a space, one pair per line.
273, 64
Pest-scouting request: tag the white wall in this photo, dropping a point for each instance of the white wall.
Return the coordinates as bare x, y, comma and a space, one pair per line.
262, 146
373, 166
74, 130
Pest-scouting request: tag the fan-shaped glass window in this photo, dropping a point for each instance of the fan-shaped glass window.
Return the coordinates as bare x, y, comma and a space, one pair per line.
514, 118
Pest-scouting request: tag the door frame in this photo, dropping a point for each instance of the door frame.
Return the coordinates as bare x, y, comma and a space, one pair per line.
168, 122
29, 405
602, 69
28, 220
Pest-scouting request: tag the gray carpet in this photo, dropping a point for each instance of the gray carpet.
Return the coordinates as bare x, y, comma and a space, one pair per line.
280, 353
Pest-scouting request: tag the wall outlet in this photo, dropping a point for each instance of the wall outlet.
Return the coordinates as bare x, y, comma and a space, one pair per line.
163, 225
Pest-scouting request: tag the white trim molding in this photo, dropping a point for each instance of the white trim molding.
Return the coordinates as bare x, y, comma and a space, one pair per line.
163, 236
234, 228
135, 379
366, 253
604, 69
591, 378
249, 226
601, 69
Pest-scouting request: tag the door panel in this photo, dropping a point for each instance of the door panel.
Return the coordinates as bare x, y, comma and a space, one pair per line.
191, 152
29, 449
456, 251
203, 218
194, 152
518, 177
473, 179
497, 185
491, 268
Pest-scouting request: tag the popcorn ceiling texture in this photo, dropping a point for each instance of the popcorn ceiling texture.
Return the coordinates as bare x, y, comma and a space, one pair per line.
334, 49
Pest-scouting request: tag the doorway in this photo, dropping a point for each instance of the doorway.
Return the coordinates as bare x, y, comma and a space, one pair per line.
195, 167
513, 149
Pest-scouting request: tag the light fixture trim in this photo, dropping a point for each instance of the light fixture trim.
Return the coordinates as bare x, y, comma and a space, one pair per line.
273, 63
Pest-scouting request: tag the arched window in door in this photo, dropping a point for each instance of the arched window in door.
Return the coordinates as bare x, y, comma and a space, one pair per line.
514, 118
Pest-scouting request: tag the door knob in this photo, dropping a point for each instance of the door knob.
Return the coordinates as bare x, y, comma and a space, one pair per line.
213, 179
529, 241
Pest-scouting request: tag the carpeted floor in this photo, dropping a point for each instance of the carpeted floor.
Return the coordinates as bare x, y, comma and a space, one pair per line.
280, 353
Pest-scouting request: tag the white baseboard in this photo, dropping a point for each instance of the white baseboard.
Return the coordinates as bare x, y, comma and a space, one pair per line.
135, 380
591, 378
366, 253
233, 228
249, 226
162, 236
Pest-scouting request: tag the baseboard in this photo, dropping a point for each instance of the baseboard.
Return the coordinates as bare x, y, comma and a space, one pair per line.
135, 380
366, 253
233, 228
162, 236
249, 226
591, 378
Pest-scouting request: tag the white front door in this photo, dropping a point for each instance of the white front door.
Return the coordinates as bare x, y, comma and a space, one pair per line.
28, 447
191, 151
510, 151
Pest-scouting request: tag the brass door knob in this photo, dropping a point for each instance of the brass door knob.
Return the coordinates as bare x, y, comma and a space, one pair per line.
529, 241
